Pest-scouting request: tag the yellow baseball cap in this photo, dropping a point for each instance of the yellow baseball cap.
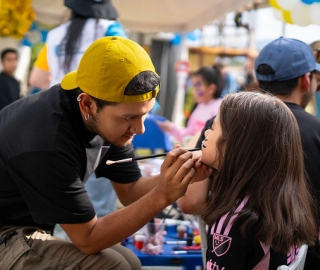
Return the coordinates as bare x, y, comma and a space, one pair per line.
107, 67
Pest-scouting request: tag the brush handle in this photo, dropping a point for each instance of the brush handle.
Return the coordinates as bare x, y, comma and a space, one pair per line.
161, 155
110, 162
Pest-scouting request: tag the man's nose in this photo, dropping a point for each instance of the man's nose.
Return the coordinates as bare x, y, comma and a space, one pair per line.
137, 126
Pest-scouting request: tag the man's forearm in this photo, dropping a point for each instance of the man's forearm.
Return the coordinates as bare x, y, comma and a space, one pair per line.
136, 190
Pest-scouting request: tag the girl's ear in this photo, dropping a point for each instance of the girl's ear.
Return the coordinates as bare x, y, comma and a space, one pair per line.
212, 88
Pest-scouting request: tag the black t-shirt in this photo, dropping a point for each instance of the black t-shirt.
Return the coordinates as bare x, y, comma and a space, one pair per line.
229, 249
46, 155
309, 127
9, 90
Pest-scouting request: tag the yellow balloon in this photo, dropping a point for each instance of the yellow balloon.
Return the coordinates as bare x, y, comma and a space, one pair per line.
287, 16
274, 4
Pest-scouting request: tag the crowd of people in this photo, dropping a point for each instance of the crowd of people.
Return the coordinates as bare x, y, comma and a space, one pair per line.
255, 182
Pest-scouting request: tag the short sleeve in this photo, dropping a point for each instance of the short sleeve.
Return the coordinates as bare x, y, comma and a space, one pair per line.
123, 172
42, 60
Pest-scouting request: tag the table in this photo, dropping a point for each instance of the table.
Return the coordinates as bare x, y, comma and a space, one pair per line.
188, 261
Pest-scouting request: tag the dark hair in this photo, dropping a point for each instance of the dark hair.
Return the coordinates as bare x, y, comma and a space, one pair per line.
144, 82
211, 75
315, 46
71, 40
262, 160
276, 87
8, 50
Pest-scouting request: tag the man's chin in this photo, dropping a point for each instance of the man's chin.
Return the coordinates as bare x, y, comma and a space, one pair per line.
122, 143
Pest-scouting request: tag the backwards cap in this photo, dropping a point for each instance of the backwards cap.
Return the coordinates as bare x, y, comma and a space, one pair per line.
107, 67
289, 58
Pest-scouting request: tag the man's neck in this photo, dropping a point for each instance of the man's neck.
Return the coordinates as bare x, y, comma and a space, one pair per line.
10, 74
293, 98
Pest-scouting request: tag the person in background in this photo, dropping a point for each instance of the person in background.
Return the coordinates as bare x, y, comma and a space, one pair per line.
315, 46
231, 84
251, 178
65, 44
9, 85
287, 68
207, 87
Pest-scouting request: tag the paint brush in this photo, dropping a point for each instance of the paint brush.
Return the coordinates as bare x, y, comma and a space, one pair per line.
110, 162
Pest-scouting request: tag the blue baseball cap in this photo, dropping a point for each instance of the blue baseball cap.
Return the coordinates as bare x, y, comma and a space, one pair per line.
289, 58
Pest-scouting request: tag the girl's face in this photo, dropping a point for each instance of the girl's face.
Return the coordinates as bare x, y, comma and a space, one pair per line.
201, 91
209, 144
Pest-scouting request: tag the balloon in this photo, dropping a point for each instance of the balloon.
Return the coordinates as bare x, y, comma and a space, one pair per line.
287, 4
300, 14
314, 13
310, 2
274, 4
287, 16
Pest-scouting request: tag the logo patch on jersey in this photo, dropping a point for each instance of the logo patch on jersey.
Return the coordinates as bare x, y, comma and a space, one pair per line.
220, 244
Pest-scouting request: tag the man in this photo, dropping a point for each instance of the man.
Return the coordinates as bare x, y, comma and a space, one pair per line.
286, 68
52, 141
9, 86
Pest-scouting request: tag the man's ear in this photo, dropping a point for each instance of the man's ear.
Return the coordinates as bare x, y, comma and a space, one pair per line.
86, 104
304, 82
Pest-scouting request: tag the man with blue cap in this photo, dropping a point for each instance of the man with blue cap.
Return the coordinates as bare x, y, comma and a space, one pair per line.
286, 68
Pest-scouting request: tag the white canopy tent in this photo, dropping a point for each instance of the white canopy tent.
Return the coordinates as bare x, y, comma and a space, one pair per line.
177, 16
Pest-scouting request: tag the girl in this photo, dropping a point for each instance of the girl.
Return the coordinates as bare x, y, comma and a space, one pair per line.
208, 85
257, 203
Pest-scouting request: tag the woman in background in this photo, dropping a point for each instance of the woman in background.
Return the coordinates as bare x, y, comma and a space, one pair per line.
66, 43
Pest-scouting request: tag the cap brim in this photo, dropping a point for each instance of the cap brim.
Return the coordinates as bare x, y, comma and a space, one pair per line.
317, 67
69, 81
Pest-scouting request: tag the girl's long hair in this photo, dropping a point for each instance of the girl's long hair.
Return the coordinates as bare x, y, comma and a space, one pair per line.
72, 39
263, 161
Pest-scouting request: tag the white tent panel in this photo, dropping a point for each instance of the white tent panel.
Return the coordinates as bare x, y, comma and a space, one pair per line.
151, 15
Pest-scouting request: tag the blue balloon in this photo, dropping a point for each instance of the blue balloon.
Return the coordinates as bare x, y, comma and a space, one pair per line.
176, 40
310, 2
193, 36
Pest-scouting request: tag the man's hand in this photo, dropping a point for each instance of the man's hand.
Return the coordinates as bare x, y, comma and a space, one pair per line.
202, 171
177, 171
